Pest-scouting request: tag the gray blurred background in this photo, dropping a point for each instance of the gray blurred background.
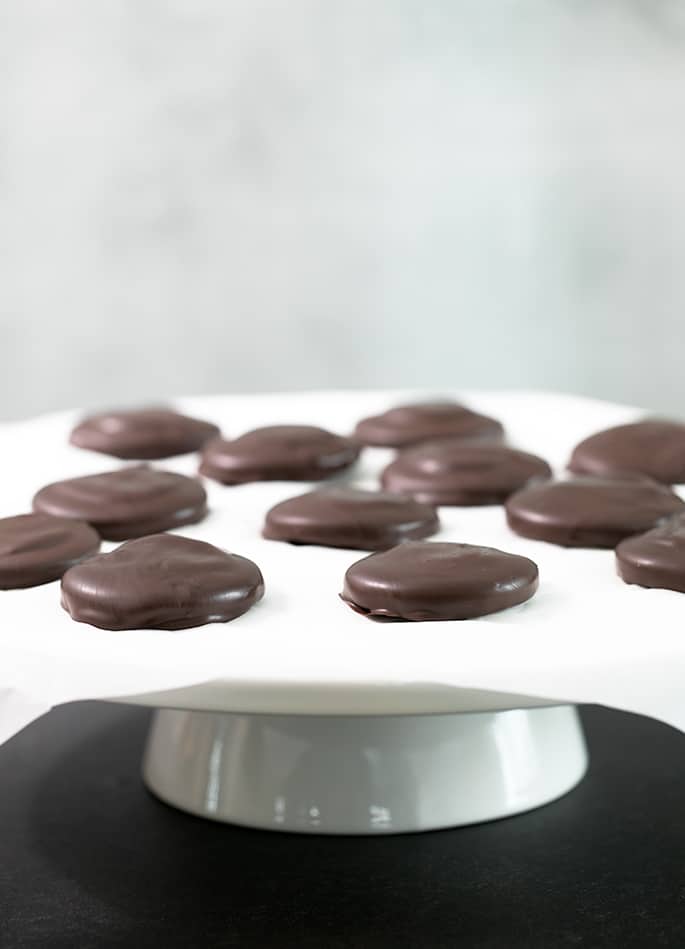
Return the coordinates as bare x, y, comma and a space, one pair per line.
219, 195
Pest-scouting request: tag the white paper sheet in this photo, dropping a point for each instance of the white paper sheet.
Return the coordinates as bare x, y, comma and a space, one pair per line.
585, 637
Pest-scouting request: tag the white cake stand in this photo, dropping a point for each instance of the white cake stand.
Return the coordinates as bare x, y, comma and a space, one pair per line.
341, 761
311, 718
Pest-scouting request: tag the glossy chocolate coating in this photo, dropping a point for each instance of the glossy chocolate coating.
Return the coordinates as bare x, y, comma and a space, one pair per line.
278, 453
142, 434
457, 472
37, 548
350, 517
407, 425
590, 512
161, 582
128, 502
654, 447
423, 580
655, 559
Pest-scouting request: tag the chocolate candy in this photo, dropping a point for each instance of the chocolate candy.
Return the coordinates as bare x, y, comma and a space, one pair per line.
410, 424
161, 582
590, 512
142, 434
278, 453
438, 581
655, 559
654, 447
129, 502
37, 548
350, 517
458, 472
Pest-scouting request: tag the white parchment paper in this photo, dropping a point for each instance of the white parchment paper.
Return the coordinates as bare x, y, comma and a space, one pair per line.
585, 637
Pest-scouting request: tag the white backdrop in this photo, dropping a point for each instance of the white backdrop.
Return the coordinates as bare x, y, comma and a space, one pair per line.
219, 195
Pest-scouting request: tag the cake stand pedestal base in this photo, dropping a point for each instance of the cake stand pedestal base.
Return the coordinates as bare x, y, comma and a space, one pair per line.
363, 775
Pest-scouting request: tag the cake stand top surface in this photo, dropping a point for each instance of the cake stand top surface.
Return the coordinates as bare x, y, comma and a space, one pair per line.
301, 650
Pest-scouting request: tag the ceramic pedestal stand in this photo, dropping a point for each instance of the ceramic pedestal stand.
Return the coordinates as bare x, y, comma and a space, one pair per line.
360, 774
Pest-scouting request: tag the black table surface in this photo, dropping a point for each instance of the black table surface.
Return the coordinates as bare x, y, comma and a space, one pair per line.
91, 859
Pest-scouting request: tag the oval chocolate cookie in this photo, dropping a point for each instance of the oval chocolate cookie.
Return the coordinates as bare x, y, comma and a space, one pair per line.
457, 472
278, 453
350, 517
654, 447
142, 434
129, 502
161, 582
410, 424
38, 548
590, 512
438, 581
655, 559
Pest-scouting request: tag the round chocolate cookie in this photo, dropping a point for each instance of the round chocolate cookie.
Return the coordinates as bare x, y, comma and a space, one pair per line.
38, 548
129, 502
590, 512
142, 434
278, 453
161, 582
438, 581
350, 517
654, 447
457, 472
410, 424
655, 559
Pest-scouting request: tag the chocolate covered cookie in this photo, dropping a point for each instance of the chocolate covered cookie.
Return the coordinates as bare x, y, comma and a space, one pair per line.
278, 453
410, 424
655, 559
129, 502
161, 582
653, 447
350, 517
438, 581
458, 472
142, 434
589, 511
38, 548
